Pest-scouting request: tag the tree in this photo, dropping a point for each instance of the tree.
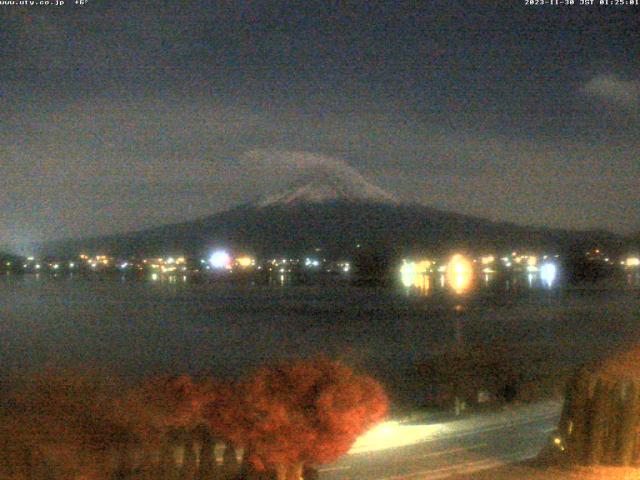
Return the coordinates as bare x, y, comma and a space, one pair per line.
306, 412
169, 402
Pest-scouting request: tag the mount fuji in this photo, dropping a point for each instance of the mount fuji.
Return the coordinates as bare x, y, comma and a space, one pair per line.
327, 204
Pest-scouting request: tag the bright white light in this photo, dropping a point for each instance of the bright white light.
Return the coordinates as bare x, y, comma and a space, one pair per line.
124, 265
391, 434
219, 259
407, 272
548, 273
310, 262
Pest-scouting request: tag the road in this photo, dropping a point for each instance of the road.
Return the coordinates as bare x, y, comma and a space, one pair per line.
395, 451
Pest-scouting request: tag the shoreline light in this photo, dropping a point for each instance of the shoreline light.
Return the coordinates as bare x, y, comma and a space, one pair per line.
245, 262
632, 262
416, 275
219, 259
548, 272
459, 273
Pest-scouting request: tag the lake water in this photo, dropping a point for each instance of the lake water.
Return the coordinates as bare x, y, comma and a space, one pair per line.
138, 328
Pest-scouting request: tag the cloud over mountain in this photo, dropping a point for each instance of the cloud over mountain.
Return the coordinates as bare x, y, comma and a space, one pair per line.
310, 177
614, 90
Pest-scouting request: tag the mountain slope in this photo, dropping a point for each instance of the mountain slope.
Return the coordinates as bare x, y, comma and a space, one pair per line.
330, 205
336, 227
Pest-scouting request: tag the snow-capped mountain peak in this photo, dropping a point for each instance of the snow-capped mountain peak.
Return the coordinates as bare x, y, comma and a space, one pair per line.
319, 179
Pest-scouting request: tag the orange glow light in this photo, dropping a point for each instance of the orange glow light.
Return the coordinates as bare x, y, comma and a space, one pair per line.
459, 273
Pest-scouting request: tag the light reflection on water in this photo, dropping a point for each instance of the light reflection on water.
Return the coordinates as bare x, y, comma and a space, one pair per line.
140, 326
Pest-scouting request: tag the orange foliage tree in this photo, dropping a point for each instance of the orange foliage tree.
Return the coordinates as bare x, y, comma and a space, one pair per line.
306, 412
166, 403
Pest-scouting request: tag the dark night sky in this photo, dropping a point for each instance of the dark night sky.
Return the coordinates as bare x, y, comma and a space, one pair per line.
125, 114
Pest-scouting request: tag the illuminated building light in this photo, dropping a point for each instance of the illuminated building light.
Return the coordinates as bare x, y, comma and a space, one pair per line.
407, 272
245, 261
311, 262
632, 262
548, 272
486, 260
459, 273
219, 259
154, 276
416, 275
488, 270
171, 260
31, 259
532, 261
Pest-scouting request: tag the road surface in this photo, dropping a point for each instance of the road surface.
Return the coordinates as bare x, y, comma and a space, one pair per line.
394, 451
